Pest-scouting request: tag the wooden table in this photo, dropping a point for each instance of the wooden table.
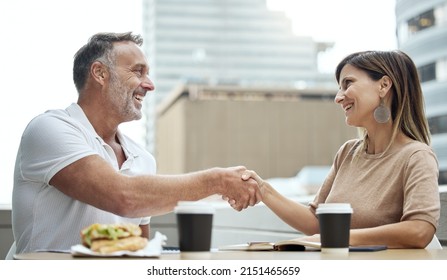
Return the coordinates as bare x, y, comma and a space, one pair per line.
391, 254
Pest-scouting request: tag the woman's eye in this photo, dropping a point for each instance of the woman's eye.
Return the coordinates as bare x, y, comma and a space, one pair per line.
348, 83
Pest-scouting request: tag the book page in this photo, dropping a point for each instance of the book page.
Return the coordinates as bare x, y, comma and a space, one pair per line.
250, 246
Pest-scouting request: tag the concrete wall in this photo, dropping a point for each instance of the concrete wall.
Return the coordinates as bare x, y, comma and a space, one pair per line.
275, 138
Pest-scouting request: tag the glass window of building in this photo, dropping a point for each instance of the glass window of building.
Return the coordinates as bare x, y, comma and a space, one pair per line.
421, 22
443, 124
438, 124
432, 125
442, 177
436, 16
427, 72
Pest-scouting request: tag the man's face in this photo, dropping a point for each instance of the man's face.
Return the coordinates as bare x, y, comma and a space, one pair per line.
128, 81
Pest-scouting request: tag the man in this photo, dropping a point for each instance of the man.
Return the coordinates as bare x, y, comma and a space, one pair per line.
74, 167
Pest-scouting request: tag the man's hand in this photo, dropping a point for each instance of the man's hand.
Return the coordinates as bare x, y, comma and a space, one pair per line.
238, 192
241, 191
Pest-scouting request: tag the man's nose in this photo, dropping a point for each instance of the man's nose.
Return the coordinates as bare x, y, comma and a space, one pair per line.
147, 84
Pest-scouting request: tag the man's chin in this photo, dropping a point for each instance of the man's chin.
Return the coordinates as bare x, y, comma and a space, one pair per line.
134, 117
137, 117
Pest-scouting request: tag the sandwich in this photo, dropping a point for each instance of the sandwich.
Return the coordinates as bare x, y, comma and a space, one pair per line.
109, 238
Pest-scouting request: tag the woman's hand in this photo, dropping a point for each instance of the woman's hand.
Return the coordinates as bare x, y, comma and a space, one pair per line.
247, 175
250, 174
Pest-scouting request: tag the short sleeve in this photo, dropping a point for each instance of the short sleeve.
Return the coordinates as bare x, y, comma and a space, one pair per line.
421, 191
50, 143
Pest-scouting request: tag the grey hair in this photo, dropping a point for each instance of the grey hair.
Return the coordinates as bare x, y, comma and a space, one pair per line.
98, 48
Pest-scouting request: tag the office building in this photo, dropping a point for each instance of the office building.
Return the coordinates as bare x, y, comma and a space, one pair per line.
224, 42
422, 33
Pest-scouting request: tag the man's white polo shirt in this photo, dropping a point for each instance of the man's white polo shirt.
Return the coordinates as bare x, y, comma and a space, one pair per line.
43, 217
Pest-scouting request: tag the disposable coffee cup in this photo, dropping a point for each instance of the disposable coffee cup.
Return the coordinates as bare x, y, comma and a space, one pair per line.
194, 225
335, 225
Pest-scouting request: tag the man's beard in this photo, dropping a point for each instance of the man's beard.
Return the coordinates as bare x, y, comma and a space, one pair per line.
123, 103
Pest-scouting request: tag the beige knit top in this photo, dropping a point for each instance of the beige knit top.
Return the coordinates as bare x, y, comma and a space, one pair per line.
398, 185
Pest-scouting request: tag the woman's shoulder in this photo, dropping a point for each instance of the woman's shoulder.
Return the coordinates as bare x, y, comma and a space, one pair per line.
348, 148
350, 145
415, 146
416, 152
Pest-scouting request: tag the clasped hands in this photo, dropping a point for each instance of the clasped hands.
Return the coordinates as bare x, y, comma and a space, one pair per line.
248, 192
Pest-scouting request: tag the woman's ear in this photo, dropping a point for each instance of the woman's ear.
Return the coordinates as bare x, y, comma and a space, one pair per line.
385, 85
98, 72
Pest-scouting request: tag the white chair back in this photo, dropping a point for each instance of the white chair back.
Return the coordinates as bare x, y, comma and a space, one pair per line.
11, 252
434, 244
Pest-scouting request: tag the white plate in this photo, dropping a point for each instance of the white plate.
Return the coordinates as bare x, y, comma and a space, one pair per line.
153, 249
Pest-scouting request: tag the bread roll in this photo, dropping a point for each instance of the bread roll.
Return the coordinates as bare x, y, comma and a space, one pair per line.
133, 243
108, 238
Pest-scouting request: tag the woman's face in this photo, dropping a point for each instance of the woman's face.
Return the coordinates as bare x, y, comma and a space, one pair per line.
358, 96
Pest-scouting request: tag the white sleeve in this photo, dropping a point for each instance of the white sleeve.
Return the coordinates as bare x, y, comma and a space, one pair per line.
49, 143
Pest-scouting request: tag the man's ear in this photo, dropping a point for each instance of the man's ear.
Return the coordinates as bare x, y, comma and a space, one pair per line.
385, 85
99, 72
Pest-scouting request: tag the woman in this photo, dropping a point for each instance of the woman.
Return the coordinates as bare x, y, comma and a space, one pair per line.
389, 175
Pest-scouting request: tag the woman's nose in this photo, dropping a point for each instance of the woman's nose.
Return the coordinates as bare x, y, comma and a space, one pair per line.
339, 97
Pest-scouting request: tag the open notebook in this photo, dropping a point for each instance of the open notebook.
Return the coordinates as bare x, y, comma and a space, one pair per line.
291, 245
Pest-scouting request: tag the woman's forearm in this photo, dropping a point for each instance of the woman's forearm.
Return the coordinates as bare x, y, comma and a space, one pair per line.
293, 213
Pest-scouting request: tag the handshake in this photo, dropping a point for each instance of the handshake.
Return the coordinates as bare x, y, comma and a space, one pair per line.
242, 187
